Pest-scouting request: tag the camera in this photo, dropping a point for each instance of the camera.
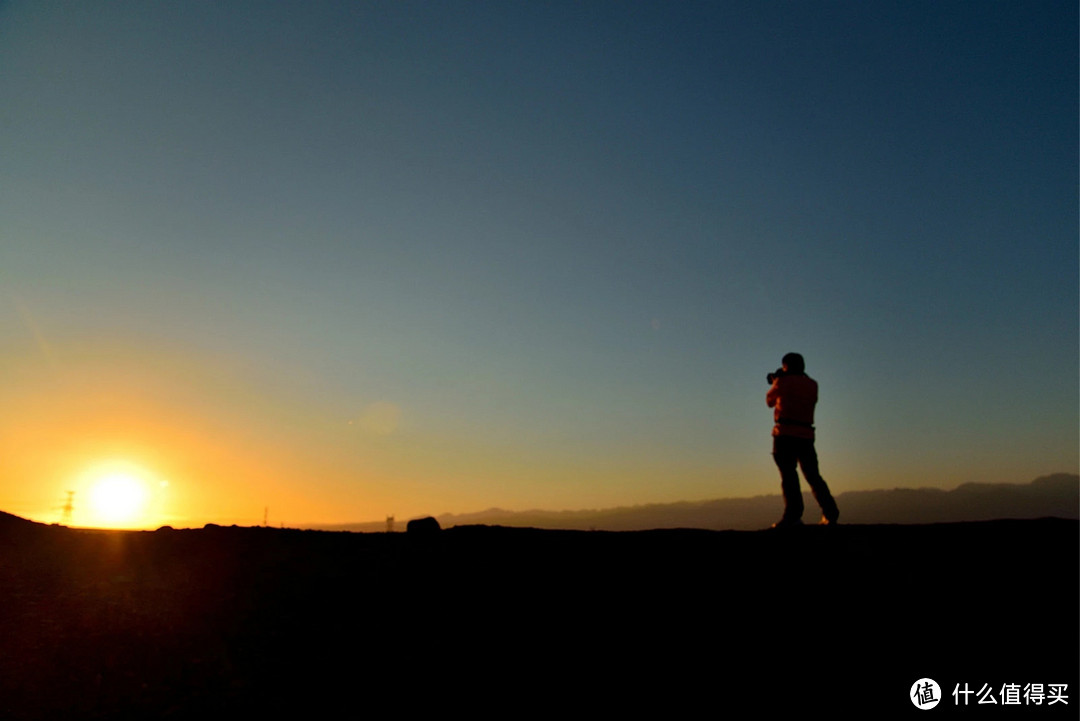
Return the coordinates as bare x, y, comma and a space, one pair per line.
778, 373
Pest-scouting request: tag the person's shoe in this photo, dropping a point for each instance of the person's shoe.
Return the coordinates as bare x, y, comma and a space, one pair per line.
786, 523
830, 520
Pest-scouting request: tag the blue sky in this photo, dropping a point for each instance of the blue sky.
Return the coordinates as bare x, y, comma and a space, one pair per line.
424, 257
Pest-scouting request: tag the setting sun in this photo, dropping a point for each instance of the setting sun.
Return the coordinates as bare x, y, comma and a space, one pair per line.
118, 498
120, 495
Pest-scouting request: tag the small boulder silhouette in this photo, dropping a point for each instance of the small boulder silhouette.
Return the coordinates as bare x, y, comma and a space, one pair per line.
423, 526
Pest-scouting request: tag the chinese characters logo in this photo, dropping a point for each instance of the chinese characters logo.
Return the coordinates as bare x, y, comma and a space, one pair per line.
925, 694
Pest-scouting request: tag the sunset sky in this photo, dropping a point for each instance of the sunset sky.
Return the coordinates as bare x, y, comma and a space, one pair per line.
343, 260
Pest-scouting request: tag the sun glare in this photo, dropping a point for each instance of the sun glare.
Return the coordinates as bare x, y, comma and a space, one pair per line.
118, 496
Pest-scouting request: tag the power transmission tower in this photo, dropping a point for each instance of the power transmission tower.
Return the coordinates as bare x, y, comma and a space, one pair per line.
67, 509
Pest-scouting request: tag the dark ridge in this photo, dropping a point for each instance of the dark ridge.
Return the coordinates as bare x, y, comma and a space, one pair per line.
8, 520
246, 621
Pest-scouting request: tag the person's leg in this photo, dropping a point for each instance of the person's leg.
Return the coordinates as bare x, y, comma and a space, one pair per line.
787, 459
808, 461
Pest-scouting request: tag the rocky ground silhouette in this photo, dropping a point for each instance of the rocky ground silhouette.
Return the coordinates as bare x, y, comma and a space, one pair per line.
504, 621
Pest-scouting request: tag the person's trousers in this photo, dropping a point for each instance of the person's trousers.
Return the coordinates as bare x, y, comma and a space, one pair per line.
790, 454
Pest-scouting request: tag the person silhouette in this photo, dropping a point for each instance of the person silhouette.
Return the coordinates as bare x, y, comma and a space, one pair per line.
793, 395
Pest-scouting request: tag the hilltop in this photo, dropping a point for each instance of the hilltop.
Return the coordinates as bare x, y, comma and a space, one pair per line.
495, 621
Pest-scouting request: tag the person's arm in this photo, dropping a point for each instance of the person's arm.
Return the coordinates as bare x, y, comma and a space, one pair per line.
773, 394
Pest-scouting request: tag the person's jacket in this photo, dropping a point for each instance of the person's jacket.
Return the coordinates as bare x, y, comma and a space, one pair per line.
793, 398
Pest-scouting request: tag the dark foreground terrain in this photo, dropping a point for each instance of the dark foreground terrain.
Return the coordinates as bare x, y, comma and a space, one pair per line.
506, 622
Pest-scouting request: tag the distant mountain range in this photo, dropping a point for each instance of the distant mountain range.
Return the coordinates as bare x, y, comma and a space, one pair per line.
1056, 495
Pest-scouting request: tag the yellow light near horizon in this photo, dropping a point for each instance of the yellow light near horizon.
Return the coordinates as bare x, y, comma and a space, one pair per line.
120, 496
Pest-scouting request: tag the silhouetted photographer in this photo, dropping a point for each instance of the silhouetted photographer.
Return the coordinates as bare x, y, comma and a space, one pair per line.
793, 395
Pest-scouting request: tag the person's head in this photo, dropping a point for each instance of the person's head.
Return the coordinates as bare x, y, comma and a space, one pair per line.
794, 363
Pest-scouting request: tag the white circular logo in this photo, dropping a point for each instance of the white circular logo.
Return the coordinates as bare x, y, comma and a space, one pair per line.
925, 694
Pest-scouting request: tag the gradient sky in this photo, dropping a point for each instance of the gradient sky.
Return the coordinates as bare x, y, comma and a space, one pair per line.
349, 259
